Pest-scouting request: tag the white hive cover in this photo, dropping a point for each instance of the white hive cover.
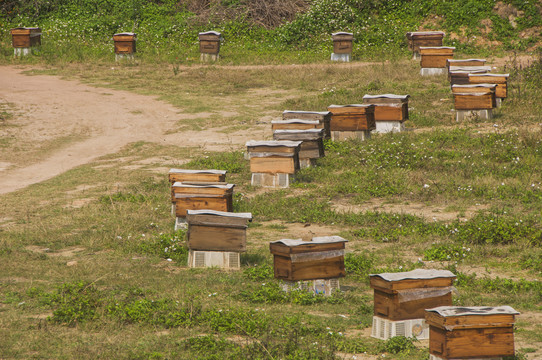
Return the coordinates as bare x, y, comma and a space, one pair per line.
315, 240
350, 105
181, 184
493, 74
295, 121
286, 143
126, 33
460, 60
426, 33
220, 213
305, 112
446, 311
386, 96
417, 274
474, 86
187, 171
210, 33
342, 33
295, 131
470, 68
437, 47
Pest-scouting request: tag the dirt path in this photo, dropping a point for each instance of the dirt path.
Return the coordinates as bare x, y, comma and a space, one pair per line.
98, 121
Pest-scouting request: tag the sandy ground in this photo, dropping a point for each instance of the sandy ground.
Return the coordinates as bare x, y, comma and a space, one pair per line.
104, 119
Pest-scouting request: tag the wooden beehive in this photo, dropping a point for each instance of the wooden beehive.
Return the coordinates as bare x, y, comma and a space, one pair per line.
465, 62
354, 117
406, 295
273, 157
295, 124
323, 118
342, 42
459, 75
474, 97
209, 42
210, 230
424, 38
435, 57
321, 258
471, 332
25, 37
194, 177
198, 197
501, 80
125, 43
388, 107
312, 144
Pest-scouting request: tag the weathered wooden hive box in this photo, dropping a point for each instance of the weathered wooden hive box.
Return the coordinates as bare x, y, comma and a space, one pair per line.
125, 43
423, 38
323, 118
354, 117
474, 97
321, 258
406, 295
273, 157
460, 75
199, 197
25, 37
435, 57
209, 42
194, 177
295, 124
210, 230
465, 62
470, 332
312, 143
388, 107
501, 80
342, 42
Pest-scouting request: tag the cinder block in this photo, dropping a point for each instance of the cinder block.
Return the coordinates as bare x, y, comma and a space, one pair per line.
325, 287
219, 259
389, 126
305, 163
204, 57
22, 51
340, 57
432, 71
122, 57
347, 135
272, 180
385, 329
180, 223
461, 115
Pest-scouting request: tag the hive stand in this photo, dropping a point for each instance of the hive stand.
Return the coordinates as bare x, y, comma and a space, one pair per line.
433, 59
478, 332
354, 121
391, 111
400, 300
125, 46
312, 144
474, 101
323, 118
209, 45
423, 38
273, 163
315, 266
342, 46
501, 80
216, 238
25, 39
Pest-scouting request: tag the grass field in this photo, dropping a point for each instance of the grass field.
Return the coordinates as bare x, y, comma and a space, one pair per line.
91, 266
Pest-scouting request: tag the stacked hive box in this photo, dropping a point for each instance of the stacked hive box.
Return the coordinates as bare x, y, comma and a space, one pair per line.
202, 196
342, 46
400, 300
390, 112
125, 45
273, 163
465, 62
470, 332
476, 100
312, 145
24, 39
423, 38
501, 80
433, 59
195, 177
323, 118
352, 121
209, 45
313, 265
459, 75
216, 238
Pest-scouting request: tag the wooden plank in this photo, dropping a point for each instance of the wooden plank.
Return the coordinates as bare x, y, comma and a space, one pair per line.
435, 60
283, 250
308, 270
481, 79
437, 51
342, 46
474, 102
207, 178
216, 238
377, 282
469, 321
470, 90
219, 203
466, 62
492, 342
352, 122
272, 149
306, 115
273, 165
313, 149
391, 113
294, 126
200, 190
209, 46
351, 110
217, 221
